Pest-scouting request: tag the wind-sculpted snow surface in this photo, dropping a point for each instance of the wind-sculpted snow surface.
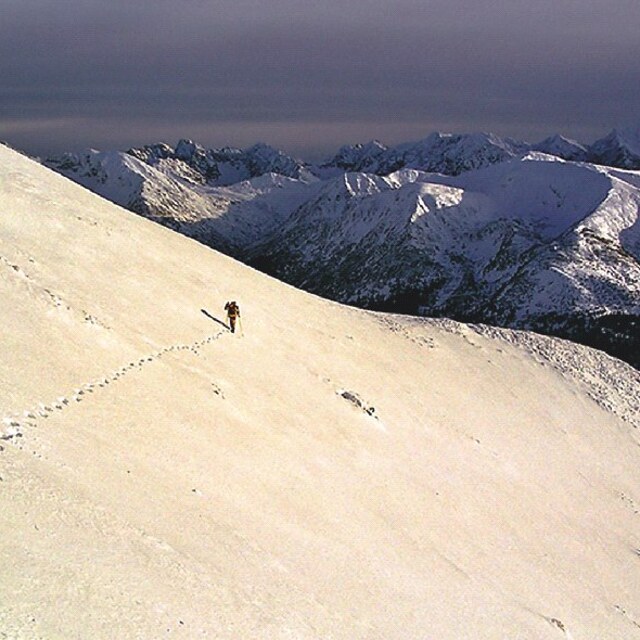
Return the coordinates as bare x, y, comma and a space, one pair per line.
328, 473
611, 383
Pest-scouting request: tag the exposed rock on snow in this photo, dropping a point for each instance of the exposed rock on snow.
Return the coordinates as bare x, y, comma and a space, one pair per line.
219, 167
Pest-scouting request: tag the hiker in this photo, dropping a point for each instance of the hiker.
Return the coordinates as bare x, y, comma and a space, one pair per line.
233, 313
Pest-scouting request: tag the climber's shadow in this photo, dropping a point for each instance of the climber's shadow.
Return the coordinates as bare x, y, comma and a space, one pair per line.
206, 313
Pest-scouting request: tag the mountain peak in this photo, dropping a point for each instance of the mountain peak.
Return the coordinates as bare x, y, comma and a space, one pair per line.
357, 157
565, 148
187, 149
620, 148
222, 166
630, 138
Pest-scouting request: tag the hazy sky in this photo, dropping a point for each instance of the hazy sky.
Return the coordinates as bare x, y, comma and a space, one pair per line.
307, 76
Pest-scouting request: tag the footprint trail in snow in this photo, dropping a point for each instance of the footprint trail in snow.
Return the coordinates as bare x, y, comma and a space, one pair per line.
13, 425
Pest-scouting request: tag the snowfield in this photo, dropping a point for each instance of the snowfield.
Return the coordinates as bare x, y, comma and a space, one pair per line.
327, 472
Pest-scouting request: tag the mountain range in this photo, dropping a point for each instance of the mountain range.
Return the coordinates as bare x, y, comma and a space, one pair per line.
452, 154
472, 227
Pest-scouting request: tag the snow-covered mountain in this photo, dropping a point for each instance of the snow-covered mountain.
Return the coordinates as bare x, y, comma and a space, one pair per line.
172, 192
327, 473
221, 167
564, 148
621, 148
194, 164
536, 243
446, 153
453, 154
526, 241
370, 157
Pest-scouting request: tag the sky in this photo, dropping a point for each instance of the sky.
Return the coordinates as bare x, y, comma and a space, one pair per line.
308, 77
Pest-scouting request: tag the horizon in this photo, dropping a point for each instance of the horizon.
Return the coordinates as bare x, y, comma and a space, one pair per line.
311, 157
308, 79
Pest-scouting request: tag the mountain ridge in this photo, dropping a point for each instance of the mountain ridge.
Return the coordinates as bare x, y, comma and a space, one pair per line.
439, 152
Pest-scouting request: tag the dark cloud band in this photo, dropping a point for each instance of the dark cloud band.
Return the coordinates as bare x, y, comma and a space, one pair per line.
522, 69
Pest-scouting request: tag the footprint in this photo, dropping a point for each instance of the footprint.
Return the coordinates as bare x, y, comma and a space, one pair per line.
217, 390
10, 433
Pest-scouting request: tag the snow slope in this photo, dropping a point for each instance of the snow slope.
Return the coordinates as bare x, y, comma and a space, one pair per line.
562, 147
331, 473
